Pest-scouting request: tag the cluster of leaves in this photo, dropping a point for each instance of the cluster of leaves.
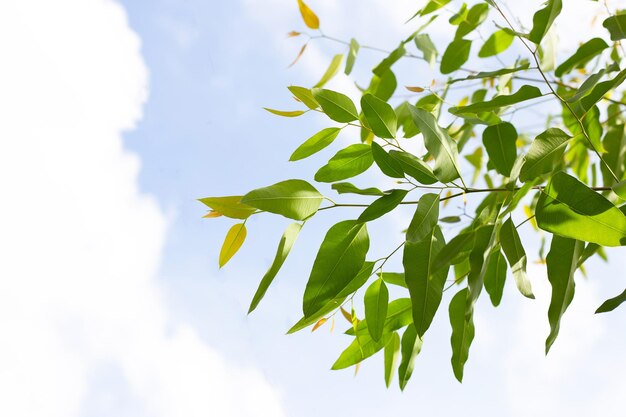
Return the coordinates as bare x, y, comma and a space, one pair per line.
571, 173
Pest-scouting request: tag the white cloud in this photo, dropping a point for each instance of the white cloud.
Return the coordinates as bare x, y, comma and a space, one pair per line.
83, 325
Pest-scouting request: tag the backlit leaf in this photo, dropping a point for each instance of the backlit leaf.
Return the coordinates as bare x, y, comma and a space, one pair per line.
425, 218
304, 95
543, 19
380, 116
290, 113
331, 71
229, 206
347, 188
392, 356
354, 50
337, 106
411, 346
376, 299
387, 164
319, 324
462, 332
544, 154
359, 350
310, 18
495, 277
295, 199
347, 163
382, 205
233, 241
414, 167
298, 56
455, 55
500, 143
498, 42
516, 255
315, 143
427, 47
526, 92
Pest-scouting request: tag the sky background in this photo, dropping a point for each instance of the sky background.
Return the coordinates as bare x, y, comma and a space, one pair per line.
116, 116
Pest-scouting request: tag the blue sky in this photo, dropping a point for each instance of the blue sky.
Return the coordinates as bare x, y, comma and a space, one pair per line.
126, 113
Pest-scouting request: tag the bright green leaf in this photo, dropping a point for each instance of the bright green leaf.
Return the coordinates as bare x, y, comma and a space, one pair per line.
315, 143
382, 205
392, 356
516, 255
500, 143
295, 199
347, 163
498, 42
331, 71
337, 106
455, 55
411, 346
526, 92
380, 116
347, 188
475, 16
360, 349
387, 164
414, 167
229, 206
544, 154
427, 47
375, 300
354, 50
294, 113
425, 218
305, 96
233, 241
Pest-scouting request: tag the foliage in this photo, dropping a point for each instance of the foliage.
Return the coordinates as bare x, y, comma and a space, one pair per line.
568, 176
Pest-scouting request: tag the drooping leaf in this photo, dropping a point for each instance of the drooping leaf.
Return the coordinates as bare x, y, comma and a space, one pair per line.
616, 25
427, 47
398, 316
498, 42
545, 152
360, 349
495, 277
284, 247
392, 356
233, 241
583, 54
615, 145
315, 143
229, 206
337, 106
411, 346
500, 143
304, 95
612, 303
455, 55
376, 299
285, 113
571, 209
347, 188
425, 287
295, 199
382, 205
516, 255
460, 244
347, 163
387, 164
439, 144
620, 189
380, 116
310, 18
331, 71
462, 332
479, 262
391, 59
598, 91
526, 92
354, 50
591, 81
475, 16
543, 19
414, 167
562, 261
425, 218
338, 261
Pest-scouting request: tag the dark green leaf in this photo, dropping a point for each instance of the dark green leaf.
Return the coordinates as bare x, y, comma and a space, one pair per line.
347, 163
498, 42
499, 141
495, 277
455, 55
545, 152
382, 205
414, 167
616, 25
295, 199
315, 143
561, 261
612, 303
347, 188
516, 255
569, 208
388, 165
479, 261
337, 106
411, 347
380, 116
398, 316
462, 332
375, 300
526, 92
284, 247
338, 261
543, 19
583, 54
392, 355
425, 218
354, 50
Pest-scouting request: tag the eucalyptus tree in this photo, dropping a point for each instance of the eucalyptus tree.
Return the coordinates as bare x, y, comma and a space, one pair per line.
567, 181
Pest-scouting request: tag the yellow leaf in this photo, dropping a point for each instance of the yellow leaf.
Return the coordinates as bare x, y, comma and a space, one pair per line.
332, 323
212, 214
414, 89
356, 368
234, 239
319, 324
529, 213
332, 69
346, 315
310, 18
447, 198
299, 55
294, 113
293, 34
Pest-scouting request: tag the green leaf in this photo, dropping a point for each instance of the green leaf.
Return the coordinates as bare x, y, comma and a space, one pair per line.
526, 92
347, 188
393, 278
620, 189
561, 261
315, 143
612, 303
495, 277
360, 349
386, 63
392, 356
455, 55
499, 141
380, 116
588, 101
387, 164
383, 86
583, 54
475, 16
305, 96
479, 261
493, 74
284, 247
414, 167
431, 6
295, 199
347, 163
337, 106
425, 218
498, 42
616, 25
338, 261
427, 47
229, 206
354, 50
332, 69
294, 113
398, 316
425, 287
382, 205
543, 19
459, 244
569, 208
545, 152
516, 255
375, 299
411, 347
615, 145
233, 241
439, 144
462, 332
591, 81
